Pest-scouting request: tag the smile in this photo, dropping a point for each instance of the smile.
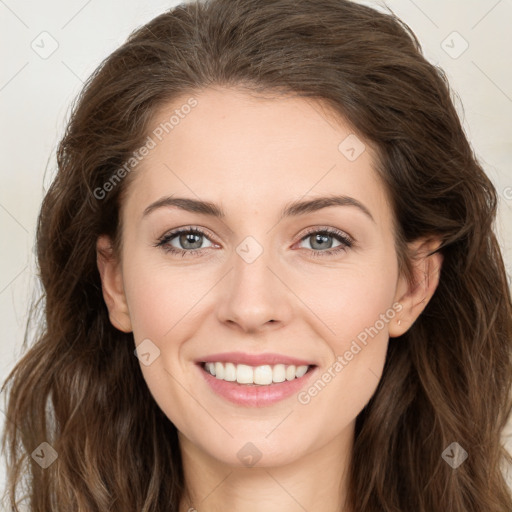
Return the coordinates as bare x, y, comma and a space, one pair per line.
255, 380
263, 375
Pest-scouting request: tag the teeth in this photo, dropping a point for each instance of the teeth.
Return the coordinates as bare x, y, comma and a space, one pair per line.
230, 372
263, 375
259, 375
301, 371
279, 373
244, 374
219, 370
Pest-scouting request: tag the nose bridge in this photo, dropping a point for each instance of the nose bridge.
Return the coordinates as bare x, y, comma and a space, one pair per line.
254, 294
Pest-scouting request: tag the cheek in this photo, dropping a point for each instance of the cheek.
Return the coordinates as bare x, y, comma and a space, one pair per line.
348, 301
163, 303
162, 299
358, 306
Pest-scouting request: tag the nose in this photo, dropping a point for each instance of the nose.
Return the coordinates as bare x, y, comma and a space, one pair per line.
254, 296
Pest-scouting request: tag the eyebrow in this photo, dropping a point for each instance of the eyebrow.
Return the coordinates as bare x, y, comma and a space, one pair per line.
293, 209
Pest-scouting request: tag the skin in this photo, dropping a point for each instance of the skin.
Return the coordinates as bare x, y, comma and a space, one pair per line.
252, 156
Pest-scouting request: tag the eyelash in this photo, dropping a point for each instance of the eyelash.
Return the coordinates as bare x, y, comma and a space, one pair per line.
346, 241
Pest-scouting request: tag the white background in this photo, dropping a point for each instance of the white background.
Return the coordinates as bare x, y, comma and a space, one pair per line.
36, 93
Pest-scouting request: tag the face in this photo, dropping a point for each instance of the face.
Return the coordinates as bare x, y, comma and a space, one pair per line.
256, 293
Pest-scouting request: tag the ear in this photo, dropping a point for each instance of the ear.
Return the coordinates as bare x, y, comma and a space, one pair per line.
112, 285
414, 297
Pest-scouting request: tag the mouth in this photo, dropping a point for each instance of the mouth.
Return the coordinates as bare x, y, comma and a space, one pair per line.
262, 375
249, 380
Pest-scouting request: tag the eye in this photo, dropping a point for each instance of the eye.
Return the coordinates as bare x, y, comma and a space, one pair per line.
189, 241
322, 240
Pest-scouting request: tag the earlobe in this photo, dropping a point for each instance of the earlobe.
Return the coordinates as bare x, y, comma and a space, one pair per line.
112, 285
414, 296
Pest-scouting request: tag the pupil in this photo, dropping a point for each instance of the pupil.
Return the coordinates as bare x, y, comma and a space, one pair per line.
190, 238
321, 238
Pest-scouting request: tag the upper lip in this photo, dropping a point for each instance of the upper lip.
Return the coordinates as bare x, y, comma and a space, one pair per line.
254, 359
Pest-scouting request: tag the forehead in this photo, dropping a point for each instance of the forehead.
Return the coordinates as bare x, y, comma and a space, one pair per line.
269, 150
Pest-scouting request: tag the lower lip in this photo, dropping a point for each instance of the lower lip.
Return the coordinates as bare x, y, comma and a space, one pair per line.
253, 395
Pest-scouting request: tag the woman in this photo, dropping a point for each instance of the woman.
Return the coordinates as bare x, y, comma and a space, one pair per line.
255, 369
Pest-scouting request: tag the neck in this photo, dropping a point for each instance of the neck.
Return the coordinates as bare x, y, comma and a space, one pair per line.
315, 482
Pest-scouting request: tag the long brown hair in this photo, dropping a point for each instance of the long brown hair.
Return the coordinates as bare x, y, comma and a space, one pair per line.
447, 379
